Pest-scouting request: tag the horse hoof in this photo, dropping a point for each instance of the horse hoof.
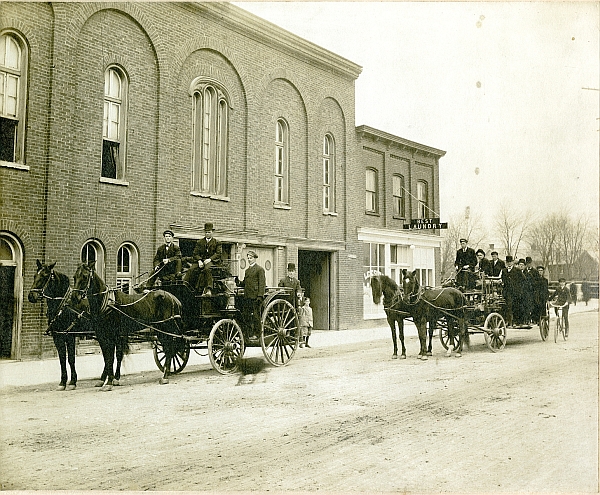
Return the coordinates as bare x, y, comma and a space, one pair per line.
99, 383
395, 356
448, 353
116, 382
403, 356
424, 357
458, 354
60, 388
71, 386
429, 353
164, 381
106, 388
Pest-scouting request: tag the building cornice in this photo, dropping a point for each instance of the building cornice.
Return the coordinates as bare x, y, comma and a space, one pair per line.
254, 27
401, 143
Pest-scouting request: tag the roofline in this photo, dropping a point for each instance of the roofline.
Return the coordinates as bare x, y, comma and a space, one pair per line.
259, 29
365, 130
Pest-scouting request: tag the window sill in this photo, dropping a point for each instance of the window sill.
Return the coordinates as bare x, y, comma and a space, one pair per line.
116, 182
372, 213
209, 196
18, 166
330, 213
397, 217
282, 206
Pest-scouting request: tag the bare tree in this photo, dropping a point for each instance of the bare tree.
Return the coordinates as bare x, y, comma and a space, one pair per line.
572, 237
543, 239
511, 227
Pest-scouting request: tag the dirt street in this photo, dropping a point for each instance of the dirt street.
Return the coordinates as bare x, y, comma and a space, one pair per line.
344, 419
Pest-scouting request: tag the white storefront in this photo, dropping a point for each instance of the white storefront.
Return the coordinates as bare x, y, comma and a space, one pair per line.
389, 252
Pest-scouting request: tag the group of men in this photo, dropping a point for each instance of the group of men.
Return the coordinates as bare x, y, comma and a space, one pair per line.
525, 289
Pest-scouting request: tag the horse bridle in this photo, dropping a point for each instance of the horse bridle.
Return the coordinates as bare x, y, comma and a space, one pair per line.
43, 289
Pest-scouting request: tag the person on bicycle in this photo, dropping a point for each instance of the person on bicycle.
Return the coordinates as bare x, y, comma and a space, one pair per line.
562, 297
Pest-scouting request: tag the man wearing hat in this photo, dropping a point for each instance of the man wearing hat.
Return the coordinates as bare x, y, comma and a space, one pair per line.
562, 297
254, 285
531, 276
483, 266
167, 261
540, 295
465, 264
511, 279
207, 252
291, 281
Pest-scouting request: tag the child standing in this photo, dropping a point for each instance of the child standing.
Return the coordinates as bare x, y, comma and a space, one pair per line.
305, 316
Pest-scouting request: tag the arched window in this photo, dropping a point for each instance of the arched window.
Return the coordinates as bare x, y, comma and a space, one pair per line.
398, 195
282, 162
13, 97
114, 124
92, 250
126, 267
422, 200
211, 134
372, 200
328, 174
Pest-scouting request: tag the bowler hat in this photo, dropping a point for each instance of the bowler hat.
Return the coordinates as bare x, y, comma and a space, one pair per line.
253, 254
528, 259
168, 231
208, 226
480, 251
521, 261
291, 267
509, 258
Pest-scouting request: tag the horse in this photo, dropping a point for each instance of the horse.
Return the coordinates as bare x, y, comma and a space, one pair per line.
396, 310
118, 315
431, 304
63, 322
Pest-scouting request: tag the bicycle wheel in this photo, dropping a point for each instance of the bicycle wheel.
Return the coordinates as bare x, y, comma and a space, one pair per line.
544, 327
563, 327
556, 329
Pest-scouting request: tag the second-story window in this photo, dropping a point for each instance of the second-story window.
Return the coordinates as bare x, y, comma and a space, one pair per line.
114, 122
398, 194
371, 204
328, 174
282, 162
211, 135
13, 97
422, 203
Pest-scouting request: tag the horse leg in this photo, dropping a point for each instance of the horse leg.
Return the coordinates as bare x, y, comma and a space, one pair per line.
392, 324
422, 330
108, 353
60, 344
119, 354
401, 335
432, 325
71, 355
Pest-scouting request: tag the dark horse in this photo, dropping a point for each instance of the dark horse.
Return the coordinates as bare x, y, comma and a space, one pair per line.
433, 304
396, 311
117, 316
63, 321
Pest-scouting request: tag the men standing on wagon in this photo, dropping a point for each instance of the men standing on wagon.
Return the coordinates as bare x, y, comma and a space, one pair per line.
167, 262
540, 295
497, 265
254, 285
483, 266
512, 280
291, 281
208, 251
465, 264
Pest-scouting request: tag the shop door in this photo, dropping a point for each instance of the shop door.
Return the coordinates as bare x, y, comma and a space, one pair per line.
314, 275
7, 309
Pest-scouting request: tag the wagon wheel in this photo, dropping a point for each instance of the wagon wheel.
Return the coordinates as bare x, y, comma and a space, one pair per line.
179, 360
445, 336
279, 338
544, 327
225, 346
495, 332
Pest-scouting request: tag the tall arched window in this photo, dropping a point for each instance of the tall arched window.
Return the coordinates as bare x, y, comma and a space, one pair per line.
372, 200
92, 250
211, 134
126, 267
114, 124
422, 200
282, 163
328, 174
398, 195
13, 97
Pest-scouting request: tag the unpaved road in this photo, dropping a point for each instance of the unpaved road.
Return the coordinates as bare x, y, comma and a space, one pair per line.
340, 419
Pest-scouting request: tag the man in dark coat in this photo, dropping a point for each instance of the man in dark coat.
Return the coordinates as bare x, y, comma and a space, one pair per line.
167, 261
531, 276
254, 285
291, 281
562, 297
540, 295
512, 279
483, 266
465, 264
497, 265
207, 252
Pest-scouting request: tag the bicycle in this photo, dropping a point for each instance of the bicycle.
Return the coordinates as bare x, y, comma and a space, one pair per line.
560, 326
544, 323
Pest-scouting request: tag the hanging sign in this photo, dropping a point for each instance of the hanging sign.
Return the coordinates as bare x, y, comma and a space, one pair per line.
426, 224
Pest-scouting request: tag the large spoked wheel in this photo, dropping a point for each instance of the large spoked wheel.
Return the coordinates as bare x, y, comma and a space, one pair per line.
557, 328
279, 338
544, 327
225, 346
180, 359
495, 332
445, 338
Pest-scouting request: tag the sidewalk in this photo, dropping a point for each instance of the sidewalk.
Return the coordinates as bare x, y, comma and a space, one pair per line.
47, 371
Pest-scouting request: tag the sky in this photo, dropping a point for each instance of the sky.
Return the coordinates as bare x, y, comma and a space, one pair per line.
498, 86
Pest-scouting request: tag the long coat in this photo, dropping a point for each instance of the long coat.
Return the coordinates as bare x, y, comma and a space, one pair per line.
208, 249
497, 267
254, 282
466, 257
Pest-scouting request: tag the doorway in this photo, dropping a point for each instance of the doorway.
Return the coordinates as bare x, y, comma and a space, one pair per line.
11, 295
314, 273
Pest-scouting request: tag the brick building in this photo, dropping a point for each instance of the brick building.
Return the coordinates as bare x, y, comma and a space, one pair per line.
119, 120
